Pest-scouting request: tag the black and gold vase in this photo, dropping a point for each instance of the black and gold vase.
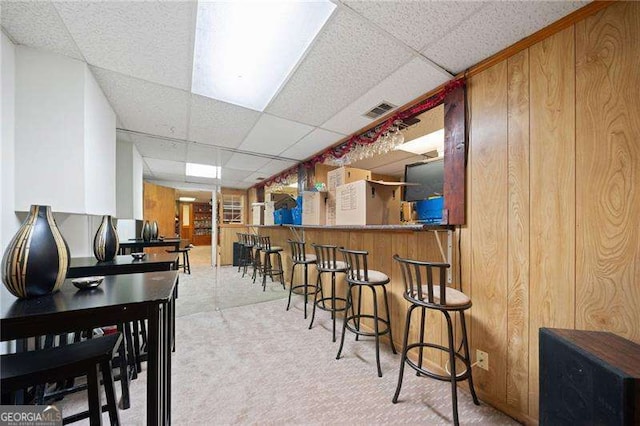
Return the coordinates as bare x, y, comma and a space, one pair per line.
37, 259
146, 231
154, 230
106, 243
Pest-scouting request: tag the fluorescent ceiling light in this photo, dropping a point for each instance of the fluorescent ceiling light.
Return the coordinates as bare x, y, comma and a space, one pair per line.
187, 199
432, 142
203, 170
245, 50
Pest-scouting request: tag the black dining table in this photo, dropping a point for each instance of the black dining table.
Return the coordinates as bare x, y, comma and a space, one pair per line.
124, 264
137, 245
131, 297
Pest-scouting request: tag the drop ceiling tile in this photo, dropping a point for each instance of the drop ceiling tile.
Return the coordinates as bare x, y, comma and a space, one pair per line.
143, 106
495, 27
416, 23
169, 178
162, 167
347, 59
314, 142
275, 166
246, 162
236, 184
160, 148
272, 135
37, 24
148, 40
202, 180
253, 178
410, 81
234, 175
204, 154
219, 123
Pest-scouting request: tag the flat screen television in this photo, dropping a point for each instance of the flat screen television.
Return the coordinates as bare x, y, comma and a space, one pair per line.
429, 177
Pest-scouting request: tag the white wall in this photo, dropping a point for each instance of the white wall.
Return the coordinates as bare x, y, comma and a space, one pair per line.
99, 150
129, 185
49, 128
9, 222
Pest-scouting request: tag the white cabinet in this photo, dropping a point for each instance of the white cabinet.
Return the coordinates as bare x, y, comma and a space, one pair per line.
65, 136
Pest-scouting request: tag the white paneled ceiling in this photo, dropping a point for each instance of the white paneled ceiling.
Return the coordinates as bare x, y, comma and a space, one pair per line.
141, 53
272, 135
308, 145
348, 58
135, 38
410, 81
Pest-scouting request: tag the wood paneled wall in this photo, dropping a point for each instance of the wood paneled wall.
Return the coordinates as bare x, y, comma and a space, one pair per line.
554, 189
160, 205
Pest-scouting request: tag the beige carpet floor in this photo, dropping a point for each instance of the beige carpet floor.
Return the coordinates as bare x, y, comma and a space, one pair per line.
243, 359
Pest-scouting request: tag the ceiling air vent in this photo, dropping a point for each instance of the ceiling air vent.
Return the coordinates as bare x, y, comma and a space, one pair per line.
260, 178
380, 110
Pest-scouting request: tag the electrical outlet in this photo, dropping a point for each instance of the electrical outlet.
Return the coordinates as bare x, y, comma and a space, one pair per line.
482, 359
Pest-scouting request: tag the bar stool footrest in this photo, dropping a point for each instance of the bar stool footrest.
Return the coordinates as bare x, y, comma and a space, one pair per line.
310, 292
459, 377
320, 302
366, 333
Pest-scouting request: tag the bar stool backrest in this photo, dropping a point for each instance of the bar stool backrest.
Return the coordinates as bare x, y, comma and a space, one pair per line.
265, 242
417, 274
240, 237
253, 240
356, 261
326, 256
298, 253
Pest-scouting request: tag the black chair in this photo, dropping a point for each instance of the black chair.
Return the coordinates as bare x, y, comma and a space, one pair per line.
87, 358
421, 292
358, 276
185, 265
246, 257
300, 257
326, 262
268, 267
256, 254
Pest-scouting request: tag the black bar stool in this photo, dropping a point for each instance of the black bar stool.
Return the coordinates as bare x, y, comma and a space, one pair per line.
87, 358
241, 241
246, 253
326, 262
300, 257
267, 266
257, 263
421, 293
358, 276
186, 266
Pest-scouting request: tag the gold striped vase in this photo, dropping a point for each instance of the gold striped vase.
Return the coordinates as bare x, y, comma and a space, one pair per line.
37, 259
105, 243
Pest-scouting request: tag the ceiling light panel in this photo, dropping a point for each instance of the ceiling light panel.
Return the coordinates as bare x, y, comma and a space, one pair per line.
430, 142
37, 24
272, 135
245, 50
219, 123
148, 40
143, 106
202, 170
349, 57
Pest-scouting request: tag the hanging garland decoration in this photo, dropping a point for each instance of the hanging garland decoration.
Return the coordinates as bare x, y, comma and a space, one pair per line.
370, 136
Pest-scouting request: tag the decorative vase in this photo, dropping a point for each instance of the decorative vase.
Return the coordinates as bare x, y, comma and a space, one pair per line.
146, 231
37, 259
106, 243
154, 230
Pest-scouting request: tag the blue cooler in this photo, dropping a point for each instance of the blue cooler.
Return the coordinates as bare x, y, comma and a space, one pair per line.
283, 217
430, 211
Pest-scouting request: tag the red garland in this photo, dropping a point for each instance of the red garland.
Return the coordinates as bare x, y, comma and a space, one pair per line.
346, 147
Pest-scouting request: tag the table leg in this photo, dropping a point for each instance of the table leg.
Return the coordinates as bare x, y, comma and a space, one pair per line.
154, 349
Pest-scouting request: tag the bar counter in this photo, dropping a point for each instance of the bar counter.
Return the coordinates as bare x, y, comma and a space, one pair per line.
416, 241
